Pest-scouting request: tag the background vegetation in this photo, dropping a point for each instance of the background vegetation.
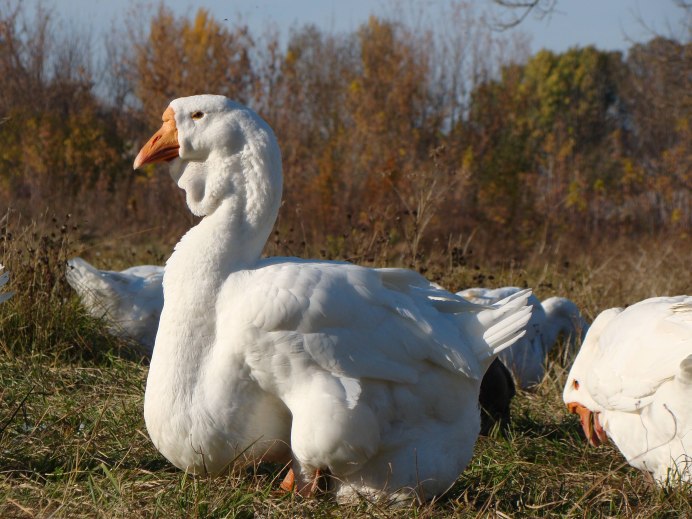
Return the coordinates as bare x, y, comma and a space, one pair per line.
449, 149
456, 119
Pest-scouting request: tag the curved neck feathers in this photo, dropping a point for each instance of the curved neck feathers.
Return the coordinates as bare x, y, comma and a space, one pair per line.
241, 196
220, 244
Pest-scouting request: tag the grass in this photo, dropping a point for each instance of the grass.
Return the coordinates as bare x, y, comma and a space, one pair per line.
73, 441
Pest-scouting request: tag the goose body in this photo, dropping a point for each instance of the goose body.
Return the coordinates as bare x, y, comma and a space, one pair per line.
632, 382
554, 316
371, 375
129, 301
4, 278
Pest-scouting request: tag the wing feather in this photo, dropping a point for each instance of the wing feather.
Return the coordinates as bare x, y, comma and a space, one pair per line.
407, 321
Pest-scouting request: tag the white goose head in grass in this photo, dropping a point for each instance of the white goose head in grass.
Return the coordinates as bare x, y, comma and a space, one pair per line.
632, 383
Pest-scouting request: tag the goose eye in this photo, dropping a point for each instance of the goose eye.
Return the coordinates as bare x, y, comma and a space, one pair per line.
575, 384
197, 115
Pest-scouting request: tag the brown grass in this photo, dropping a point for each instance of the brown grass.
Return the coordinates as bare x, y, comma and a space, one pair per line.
73, 441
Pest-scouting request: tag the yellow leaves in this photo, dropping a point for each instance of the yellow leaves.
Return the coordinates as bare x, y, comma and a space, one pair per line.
291, 57
682, 125
203, 27
467, 161
599, 186
632, 175
180, 57
576, 197
355, 86
145, 173
204, 38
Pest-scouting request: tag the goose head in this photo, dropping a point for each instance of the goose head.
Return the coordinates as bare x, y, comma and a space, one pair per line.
575, 394
219, 151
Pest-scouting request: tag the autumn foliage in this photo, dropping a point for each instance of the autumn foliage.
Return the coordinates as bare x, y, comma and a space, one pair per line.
410, 138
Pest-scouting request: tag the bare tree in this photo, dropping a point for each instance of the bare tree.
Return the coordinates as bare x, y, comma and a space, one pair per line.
516, 11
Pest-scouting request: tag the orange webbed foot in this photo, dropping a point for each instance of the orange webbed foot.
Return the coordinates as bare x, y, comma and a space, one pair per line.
309, 489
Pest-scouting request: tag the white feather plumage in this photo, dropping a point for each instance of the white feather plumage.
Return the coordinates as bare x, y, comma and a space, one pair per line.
549, 319
633, 378
129, 301
371, 374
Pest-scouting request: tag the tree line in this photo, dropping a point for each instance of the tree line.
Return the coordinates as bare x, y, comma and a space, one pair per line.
410, 136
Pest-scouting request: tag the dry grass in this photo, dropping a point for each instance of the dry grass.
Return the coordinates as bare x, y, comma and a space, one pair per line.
73, 441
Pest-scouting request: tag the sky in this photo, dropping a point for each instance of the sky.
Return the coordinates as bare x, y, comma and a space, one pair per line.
607, 24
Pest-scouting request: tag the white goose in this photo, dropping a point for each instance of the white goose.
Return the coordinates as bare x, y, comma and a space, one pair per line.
549, 319
370, 374
4, 278
129, 301
632, 382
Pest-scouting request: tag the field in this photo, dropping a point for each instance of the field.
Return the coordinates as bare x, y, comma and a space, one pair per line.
73, 441
445, 146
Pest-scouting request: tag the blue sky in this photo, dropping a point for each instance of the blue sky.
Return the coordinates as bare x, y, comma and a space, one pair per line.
608, 24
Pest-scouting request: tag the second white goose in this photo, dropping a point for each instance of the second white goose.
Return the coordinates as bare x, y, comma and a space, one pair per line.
129, 301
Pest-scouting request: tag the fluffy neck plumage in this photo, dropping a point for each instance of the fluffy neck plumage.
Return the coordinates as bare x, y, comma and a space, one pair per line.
241, 196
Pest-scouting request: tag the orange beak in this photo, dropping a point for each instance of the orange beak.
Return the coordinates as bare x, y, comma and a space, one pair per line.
589, 422
163, 145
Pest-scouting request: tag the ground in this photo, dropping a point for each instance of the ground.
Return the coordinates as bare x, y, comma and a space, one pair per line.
73, 441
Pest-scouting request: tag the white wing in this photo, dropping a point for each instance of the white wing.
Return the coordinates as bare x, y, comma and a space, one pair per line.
314, 310
526, 357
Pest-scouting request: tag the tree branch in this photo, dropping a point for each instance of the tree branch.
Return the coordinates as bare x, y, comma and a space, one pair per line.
542, 8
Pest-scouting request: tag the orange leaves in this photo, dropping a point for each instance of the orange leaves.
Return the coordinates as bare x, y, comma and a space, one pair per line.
184, 57
419, 133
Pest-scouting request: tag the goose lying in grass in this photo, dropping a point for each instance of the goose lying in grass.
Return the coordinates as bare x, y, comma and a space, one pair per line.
555, 316
632, 382
370, 375
4, 278
129, 301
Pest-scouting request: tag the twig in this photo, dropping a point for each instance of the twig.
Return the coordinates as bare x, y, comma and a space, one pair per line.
16, 410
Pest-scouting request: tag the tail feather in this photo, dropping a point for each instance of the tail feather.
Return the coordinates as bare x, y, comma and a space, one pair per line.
506, 322
130, 301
